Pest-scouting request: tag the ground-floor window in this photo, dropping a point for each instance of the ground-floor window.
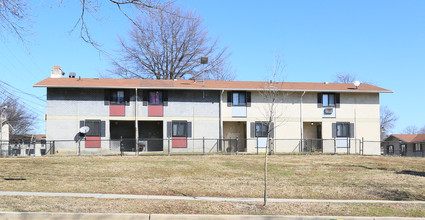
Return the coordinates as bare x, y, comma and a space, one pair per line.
343, 129
179, 128
390, 149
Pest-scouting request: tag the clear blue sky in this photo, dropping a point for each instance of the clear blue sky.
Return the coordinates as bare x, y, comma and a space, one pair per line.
379, 41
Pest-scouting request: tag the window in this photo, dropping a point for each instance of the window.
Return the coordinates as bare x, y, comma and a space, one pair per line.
94, 126
117, 97
179, 128
261, 129
390, 149
155, 98
403, 149
328, 99
417, 147
239, 98
343, 129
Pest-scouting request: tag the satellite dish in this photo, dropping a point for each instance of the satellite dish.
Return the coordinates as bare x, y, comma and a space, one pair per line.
356, 83
84, 130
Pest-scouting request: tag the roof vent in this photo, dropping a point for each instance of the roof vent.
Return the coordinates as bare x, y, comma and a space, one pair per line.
72, 75
326, 83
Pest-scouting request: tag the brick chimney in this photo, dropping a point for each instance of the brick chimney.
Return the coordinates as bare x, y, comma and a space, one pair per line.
57, 72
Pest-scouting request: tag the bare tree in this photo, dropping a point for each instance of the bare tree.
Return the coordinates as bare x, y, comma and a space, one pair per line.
422, 130
387, 118
18, 116
345, 78
273, 95
411, 129
169, 45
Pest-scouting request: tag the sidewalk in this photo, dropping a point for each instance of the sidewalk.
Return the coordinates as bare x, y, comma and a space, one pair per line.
126, 216
212, 199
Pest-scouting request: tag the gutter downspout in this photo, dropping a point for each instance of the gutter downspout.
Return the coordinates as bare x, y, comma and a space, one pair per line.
136, 125
301, 122
220, 125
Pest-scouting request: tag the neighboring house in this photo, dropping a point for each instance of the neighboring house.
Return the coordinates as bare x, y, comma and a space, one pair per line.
410, 145
28, 144
180, 113
5, 129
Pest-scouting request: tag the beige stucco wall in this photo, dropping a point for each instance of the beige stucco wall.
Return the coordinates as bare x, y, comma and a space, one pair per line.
362, 109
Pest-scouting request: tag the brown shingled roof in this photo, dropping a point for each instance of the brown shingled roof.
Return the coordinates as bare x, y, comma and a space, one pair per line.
410, 138
207, 85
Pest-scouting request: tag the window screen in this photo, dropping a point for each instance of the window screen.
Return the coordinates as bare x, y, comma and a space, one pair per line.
94, 126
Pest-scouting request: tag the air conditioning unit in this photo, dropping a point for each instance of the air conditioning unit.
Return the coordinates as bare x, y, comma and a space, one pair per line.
329, 111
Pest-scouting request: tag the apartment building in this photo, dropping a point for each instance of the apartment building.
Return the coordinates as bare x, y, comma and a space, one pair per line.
180, 113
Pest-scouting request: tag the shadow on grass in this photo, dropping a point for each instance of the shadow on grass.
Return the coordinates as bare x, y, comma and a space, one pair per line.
411, 172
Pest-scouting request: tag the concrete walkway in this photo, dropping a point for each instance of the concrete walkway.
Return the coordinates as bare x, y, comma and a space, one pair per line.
213, 199
126, 216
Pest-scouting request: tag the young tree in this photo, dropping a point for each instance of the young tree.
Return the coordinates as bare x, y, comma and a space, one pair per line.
169, 45
273, 95
387, 118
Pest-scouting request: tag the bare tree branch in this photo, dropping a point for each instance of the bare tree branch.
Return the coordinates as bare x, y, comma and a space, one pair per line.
14, 18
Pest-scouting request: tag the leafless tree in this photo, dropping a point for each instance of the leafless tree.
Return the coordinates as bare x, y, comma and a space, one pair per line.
345, 78
169, 45
387, 118
273, 95
18, 116
411, 129
422, 130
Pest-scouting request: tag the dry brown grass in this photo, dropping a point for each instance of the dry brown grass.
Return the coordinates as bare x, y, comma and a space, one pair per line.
301, 177
90, 205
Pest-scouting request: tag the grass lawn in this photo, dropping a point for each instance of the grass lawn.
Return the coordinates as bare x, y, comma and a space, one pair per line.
300, 177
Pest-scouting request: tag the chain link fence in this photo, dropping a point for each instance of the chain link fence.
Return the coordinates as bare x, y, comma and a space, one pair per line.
201, 146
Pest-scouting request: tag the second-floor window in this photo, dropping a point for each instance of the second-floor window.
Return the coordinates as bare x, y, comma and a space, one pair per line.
328, 99
155, 98
117, 97
239, 98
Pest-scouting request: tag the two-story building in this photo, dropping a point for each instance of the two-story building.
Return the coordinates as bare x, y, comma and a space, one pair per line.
192, 115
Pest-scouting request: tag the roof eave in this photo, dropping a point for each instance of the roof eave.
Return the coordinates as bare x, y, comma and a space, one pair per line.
218, 89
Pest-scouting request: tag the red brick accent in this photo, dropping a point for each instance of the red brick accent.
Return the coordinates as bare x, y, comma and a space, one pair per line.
92, 142
155, 110
117, 110
179, 142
